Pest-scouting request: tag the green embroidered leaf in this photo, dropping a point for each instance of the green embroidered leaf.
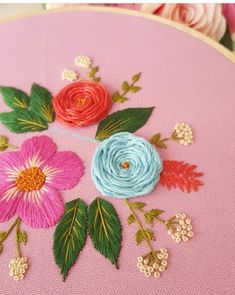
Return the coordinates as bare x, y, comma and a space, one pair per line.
22, 237
105, 229
92, 74
158, 142
3, 235
135, 89
227, 40
137, 205
136, 77
3, 145
15, 98
128, 120
41, 103
131, 219
150, 215
144, 234
22, 121
70, 235
125, 86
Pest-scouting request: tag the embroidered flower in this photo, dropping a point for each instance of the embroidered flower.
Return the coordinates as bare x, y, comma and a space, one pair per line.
183, 134
69, 75
153, 263
125, 166
30, 180
82, 103
83, 61
180, 228
18, 268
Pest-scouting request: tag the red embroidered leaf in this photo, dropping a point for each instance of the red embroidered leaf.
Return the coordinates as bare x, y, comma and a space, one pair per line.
180, 174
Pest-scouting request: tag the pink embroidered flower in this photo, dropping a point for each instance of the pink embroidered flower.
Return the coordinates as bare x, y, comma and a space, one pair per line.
206, 18
30, 180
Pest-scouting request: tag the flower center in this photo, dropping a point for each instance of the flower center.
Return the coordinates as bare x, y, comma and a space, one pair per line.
125, 165
81, 102
30, 179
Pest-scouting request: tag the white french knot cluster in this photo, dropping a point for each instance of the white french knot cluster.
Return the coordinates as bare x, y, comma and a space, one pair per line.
18, 268
182, 229
183, 133
156, 267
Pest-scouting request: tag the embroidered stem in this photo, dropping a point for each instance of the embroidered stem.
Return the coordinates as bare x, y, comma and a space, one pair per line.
139, 225
18, 252
10, 230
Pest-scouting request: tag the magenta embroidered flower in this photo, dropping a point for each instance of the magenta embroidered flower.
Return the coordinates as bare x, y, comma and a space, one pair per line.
30, 180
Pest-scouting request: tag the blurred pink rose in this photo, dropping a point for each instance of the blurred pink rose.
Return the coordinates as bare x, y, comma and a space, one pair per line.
205, 18
229, 13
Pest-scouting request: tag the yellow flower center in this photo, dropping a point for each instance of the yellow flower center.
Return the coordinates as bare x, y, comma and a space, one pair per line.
125, 165
81, 102
30, 179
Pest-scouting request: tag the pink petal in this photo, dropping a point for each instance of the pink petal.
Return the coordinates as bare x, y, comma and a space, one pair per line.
8, 205
70, 170
41, 209
9, 161
37, 150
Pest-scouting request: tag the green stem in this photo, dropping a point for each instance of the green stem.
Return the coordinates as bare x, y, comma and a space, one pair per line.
11, 228
18, 252
139, 225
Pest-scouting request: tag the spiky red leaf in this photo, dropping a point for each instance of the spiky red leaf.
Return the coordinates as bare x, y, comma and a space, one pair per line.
180, 174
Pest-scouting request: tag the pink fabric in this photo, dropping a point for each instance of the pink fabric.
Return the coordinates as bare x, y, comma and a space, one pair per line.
42, 207
186, 80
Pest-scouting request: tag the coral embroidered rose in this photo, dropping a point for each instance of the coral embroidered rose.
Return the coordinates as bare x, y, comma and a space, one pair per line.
206, 18
82, 103
30, 180
125, 166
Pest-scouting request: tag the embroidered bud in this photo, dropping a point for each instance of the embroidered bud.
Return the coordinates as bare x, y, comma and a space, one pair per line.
18, 268
83, 61
69, 75
183, 134
180, 228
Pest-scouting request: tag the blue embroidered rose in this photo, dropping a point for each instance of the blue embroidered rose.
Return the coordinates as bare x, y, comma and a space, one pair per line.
125, 166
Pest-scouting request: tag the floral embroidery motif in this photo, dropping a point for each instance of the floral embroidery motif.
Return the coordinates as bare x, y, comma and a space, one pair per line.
69, 75
141, 171
18, 267
83, 61
180, 174
31, 180
82, 103
183, 134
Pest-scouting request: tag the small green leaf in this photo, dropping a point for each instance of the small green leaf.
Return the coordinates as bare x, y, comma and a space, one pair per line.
15, 98
3, 235
95, 70
121, 99
96, 79
23, 121
150, 215
125, 86
135, 89
158, 142
22, 237
3, 145
41, 103
227, 40
137, 205
144, 234
131, 219
70, 235
105, 229
127, 120
136, 77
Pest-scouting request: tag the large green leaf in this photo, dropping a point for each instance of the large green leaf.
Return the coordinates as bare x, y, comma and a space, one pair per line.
105, 229
128, 120
41, 103
15, 98
70, 235
22, 121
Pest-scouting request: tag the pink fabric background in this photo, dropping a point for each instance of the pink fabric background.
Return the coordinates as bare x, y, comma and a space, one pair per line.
187, 81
